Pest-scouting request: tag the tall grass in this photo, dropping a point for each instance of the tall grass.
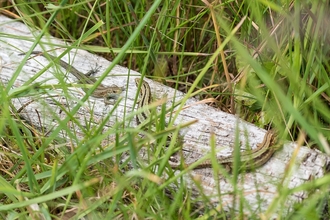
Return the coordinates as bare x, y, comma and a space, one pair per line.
264, 60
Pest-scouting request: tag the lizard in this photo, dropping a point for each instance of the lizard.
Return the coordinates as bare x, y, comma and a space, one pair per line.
102, 91
249, 159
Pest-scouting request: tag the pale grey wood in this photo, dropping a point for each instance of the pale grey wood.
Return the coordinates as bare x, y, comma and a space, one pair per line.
257, 186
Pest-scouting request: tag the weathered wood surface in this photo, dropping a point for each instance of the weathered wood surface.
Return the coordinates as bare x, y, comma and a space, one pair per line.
259, 188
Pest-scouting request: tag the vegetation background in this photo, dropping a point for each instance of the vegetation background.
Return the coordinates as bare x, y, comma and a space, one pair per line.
267, 61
